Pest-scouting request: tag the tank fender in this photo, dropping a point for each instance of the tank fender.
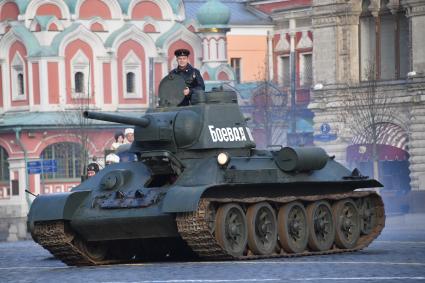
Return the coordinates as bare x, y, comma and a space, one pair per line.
183, 199
56, 206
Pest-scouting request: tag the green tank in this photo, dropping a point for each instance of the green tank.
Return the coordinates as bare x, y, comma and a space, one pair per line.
200, 190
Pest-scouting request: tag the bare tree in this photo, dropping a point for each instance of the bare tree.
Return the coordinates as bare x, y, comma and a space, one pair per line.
366, 111
270, 108
74, 124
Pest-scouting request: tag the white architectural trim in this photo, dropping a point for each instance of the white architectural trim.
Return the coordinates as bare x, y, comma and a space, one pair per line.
305, 41
34, 4
55, 21
100, 21
136, 34
44, 85
85, 35
5, 85
283, 44
227, 69
30, 86
62, 84
114, 82
151, 21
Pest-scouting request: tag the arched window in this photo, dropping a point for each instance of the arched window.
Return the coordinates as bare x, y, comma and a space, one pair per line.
132, 73
80, 74
70, 158
18, 79
384, 41
79, 82
20, 84
130, 82
4, 166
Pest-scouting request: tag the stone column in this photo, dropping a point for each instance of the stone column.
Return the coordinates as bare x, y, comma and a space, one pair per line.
416, 89
416, 13
335, 66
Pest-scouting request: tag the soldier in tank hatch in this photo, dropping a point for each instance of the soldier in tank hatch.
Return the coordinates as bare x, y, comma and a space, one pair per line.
191, 75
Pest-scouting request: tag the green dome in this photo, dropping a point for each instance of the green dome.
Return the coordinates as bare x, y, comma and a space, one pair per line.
213, 14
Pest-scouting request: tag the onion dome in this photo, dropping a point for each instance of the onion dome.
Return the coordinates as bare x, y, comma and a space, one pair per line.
213, 13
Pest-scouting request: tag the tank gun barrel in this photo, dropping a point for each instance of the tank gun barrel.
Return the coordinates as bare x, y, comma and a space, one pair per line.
142, 122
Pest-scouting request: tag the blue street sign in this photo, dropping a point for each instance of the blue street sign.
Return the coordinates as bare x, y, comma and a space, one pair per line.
325, 128
325, 137
33, 164
43, 165
34, 170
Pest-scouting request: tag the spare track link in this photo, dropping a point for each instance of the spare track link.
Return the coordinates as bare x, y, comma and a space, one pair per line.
193, 227
55, 237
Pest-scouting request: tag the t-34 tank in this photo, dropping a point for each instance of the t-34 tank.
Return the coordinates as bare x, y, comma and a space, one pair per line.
201, 190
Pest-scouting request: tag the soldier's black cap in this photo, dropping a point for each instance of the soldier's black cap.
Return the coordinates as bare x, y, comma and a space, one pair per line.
181, 52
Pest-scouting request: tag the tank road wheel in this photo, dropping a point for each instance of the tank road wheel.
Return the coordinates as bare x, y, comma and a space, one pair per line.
293, 229
347, 223
367, 215
94, 250
262, 228
320, 225
231, 228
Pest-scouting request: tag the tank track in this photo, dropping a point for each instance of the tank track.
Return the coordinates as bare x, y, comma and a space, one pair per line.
193, 227
61, 242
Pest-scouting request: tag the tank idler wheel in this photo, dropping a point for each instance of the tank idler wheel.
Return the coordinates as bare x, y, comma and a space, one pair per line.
293, 229
367, 215
96, 251
347, 223
262, 228
321, 226
231, 228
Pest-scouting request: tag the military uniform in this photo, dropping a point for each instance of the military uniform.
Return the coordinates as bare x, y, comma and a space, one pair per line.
191, 76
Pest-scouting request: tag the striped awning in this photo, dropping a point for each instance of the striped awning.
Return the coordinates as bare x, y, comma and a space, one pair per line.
388, 134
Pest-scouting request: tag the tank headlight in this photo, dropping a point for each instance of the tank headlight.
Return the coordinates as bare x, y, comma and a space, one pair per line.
223, 159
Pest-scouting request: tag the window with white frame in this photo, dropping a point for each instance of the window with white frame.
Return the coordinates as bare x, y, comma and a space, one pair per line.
235, 63
130, 81
132, 73
80, 70
79, 82
18, 78
285, 71
4, 165
306, 76
384, 43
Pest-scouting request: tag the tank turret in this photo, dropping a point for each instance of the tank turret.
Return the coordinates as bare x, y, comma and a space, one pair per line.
214, 120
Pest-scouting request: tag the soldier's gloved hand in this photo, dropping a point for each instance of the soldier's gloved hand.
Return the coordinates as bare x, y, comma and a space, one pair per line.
186, 91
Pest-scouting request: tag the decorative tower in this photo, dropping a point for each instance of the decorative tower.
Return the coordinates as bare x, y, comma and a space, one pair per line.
213, 18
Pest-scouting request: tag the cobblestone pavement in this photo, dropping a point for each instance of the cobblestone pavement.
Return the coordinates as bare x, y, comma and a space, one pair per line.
398, 255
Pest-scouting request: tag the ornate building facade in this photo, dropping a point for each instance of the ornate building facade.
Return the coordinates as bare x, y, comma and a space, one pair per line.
351, 36
58, 57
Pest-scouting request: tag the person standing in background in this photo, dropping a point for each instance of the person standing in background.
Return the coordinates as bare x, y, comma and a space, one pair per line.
129, 135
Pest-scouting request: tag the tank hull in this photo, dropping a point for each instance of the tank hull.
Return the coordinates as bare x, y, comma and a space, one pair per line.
200, 190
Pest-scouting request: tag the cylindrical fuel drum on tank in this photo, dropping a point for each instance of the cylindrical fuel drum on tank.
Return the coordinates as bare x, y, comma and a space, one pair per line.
301, 158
